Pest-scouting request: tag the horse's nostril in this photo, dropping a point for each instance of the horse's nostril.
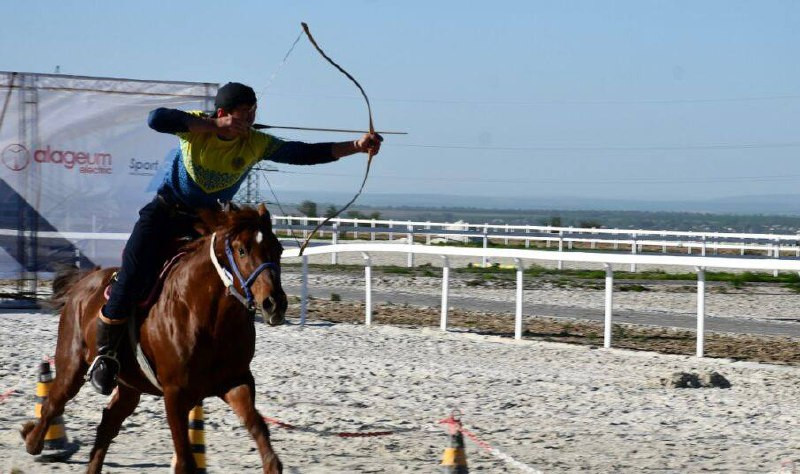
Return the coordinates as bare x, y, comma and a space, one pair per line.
268, 304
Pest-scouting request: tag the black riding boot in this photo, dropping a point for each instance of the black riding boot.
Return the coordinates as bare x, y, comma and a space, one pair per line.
104, 369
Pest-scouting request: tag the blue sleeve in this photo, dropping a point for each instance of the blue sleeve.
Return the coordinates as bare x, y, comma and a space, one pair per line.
300, 153
169, 120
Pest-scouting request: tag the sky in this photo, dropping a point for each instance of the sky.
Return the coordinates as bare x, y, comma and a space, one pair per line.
641, 100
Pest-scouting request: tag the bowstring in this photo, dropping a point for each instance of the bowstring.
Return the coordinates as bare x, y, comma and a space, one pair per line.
261, 93
278, 202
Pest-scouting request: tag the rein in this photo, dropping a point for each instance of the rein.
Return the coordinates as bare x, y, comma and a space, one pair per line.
227, 278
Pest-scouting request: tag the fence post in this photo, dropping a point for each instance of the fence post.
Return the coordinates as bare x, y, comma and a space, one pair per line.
518, 315
777, 255
560, 265
372, 232
703, 247
445, 288
355, 229
569, 244
410, 259
527, 240
304, 292
633, 251
428, 234
701, 308
609, 305
368, 289
505, 242
77, 257
334, 241
484, 259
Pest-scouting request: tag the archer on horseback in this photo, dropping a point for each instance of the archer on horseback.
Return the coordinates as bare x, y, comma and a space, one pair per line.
215, 154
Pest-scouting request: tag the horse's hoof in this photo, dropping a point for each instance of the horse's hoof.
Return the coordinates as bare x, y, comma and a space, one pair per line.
275, 466
31, 448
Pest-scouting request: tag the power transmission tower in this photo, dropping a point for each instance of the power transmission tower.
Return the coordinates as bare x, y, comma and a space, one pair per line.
251, 191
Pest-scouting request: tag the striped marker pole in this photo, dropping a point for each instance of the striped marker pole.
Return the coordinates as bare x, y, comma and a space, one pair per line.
56, 445
454, 459
197, 439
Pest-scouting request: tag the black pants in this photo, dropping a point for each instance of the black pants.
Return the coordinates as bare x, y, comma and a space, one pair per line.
151, 243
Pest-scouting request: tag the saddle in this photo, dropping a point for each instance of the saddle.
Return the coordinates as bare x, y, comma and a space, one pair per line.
141, 309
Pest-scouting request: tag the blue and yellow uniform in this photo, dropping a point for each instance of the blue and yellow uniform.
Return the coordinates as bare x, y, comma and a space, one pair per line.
206, 169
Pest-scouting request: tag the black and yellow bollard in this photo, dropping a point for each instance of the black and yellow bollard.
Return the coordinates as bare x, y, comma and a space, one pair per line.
56, 444
454, 459
197, 438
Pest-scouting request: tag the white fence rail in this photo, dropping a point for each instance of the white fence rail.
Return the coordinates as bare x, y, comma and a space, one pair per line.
699, 264
563, 238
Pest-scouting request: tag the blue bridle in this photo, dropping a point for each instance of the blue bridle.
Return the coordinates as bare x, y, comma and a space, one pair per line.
247, 299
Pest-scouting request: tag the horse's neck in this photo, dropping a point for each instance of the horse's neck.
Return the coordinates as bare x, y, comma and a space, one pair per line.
195, 269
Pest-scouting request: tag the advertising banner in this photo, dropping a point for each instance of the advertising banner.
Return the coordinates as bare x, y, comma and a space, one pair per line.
76, 154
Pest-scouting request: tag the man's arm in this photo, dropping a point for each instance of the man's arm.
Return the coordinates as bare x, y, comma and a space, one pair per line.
299, 153
177, 121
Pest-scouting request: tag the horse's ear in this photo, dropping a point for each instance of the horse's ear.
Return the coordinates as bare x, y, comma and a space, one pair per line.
264, 215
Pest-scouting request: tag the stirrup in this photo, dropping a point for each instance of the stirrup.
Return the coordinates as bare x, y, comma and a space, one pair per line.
107, 379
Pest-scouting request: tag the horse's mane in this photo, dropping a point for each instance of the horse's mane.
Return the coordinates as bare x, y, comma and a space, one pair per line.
226, 223
66, 276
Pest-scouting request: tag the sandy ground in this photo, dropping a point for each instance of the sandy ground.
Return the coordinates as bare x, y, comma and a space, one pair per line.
554, 407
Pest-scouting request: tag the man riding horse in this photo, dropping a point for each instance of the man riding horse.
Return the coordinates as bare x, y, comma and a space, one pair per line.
215, 154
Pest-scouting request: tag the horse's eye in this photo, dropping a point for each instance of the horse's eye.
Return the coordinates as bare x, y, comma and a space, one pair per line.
241, 251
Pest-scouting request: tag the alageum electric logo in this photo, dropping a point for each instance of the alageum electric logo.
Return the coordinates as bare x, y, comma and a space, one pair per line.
16, 158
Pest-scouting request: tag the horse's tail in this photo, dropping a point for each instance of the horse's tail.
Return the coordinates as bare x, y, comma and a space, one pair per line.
65, 279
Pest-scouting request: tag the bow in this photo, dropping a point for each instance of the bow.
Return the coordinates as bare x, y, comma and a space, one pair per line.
371, 131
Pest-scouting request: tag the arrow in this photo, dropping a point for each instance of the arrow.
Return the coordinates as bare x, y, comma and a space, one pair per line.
259, 126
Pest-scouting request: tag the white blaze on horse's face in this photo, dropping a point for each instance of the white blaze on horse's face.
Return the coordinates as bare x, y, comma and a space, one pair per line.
259, 237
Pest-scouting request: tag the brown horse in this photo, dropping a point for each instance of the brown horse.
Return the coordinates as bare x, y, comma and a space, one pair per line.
199, 336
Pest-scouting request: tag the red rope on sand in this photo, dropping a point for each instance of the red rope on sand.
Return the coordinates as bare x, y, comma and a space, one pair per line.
6, 394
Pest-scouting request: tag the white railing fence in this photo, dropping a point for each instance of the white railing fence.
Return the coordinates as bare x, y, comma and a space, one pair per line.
698, 263
564, 238
637, 240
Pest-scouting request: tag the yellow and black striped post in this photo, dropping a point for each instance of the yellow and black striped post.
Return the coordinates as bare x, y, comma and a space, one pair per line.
197, 438
56, 445
454, 459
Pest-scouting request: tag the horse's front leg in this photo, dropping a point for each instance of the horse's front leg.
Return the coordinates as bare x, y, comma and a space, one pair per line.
178, 407
242, 399
123, 402
70, 369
